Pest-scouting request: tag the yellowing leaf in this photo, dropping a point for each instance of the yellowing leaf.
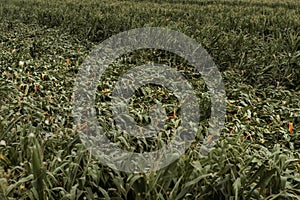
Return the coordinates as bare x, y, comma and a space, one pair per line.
68, 61
291, 127
105, 90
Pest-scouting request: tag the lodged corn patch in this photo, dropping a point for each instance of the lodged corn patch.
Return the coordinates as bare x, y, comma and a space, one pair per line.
256, 47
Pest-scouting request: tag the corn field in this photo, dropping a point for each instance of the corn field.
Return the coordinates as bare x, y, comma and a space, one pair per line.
255, 46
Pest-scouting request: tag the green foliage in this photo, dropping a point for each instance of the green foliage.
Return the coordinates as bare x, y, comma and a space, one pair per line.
256, 47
